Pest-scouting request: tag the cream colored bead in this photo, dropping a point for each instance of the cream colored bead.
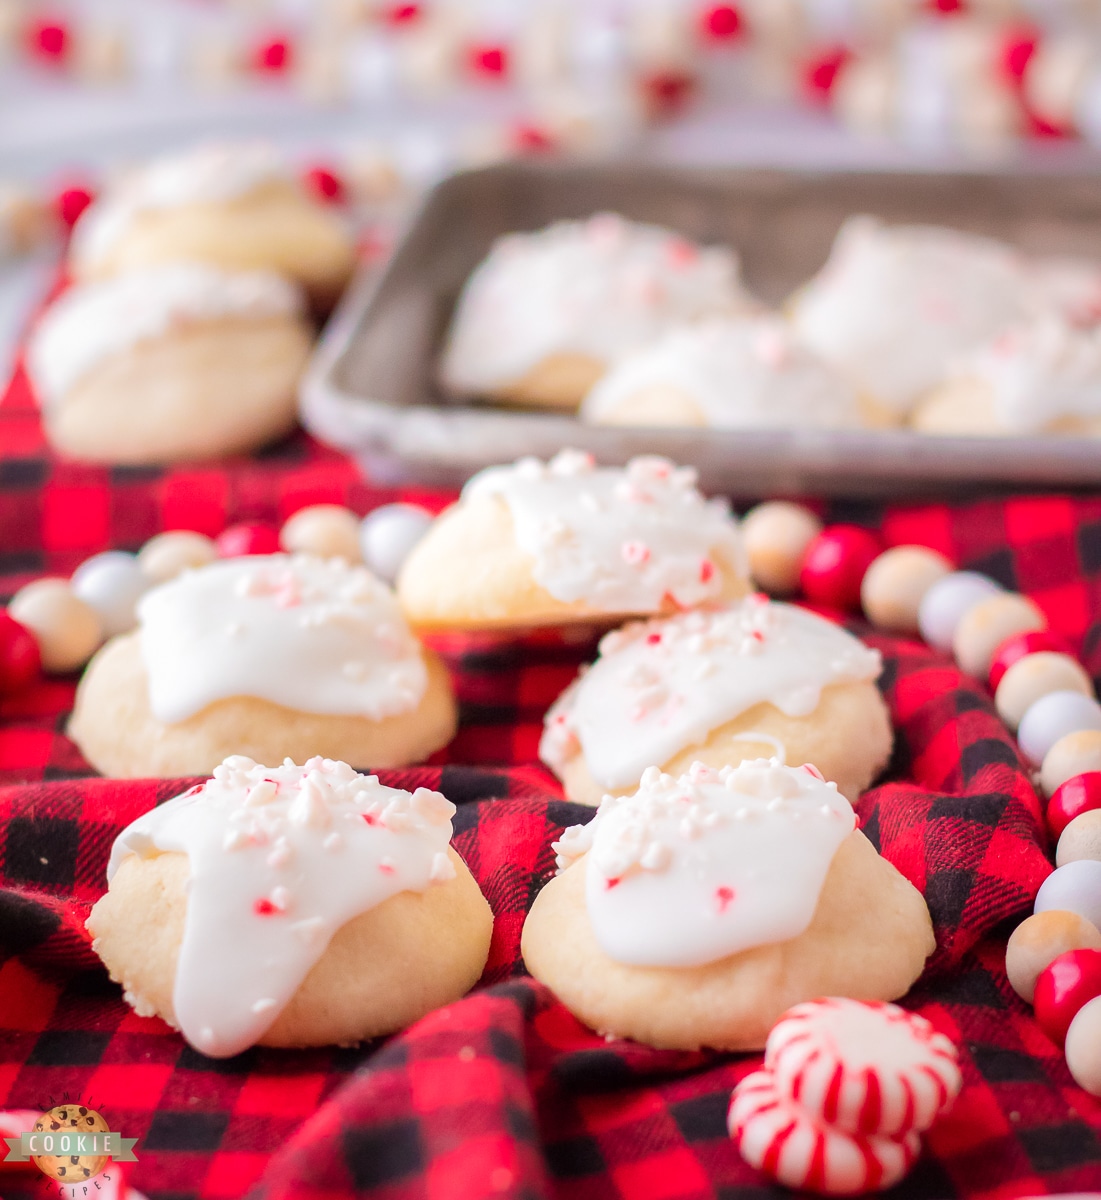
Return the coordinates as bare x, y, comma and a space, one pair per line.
1074, 754
895, 583
1041, 938
983, 628
326, 530
777, 534
67, 630
163, 557
1081, 839
1034, 676
1083, 1047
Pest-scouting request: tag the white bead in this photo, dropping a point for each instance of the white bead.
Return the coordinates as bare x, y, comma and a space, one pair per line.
944, 604
1037, 675
985, 625
1075, 887
1053, 717
1083, 1047
387, 534
112, 583
163, 557
327, 530
1074, 754
1081, 840
897, 582
776, 536
67, 630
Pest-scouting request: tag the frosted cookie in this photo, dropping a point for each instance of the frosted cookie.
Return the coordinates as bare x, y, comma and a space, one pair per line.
178, 362
725, 373
1040, 377
551, 543
697, 910
1071, 287
720, 687
546, 313
264, 656
894, 306
291, 906
235, 206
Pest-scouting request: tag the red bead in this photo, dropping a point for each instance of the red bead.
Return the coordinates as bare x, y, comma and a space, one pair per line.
721, 23
1079, 794
1063, 987
947, 7
835, 565
667, 93
491, 61
70, 203
822, 73
49, 40
1019, 646
239, 540
325, 184
402, 14
1017, 50
273, 56
20, 661
532, 139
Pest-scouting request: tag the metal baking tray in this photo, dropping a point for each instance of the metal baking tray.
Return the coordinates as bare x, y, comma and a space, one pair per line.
370, 388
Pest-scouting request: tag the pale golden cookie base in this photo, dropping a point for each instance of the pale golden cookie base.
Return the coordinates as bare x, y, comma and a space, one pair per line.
869, 939
204, 391
382, 971
658, 406
272, 228
467, 572
560, 381
848, 738
116, 732
965, 407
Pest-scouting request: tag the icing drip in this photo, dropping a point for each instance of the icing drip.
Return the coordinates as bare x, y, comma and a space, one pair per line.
1039, 373
620, 539
689, 871
92, 322
314, 635
600, 287
661, 686
206, 174
741, 372
280, 858
894, 306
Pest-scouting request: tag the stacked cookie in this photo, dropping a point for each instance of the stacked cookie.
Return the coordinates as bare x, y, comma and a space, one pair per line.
935, 329
187, 326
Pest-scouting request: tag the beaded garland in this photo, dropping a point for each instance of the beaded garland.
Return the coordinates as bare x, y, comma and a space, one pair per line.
1042, 693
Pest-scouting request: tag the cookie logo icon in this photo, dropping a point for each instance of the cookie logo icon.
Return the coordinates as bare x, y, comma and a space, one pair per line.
70, 1119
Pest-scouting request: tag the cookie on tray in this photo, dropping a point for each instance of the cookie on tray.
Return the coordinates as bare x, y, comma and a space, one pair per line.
546, 313
738, 372
266, 656
567, 541
184, 361
720, 686
697, 910
1040, 377
235, 206
895, 305
291, 906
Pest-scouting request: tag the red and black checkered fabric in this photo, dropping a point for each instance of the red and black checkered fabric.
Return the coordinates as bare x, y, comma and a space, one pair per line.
504, 1093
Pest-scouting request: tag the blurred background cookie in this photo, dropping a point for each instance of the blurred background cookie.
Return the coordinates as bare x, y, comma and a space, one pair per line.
176, 362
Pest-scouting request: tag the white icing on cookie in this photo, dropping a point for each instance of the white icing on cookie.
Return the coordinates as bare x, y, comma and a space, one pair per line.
1070, 286
600, 287
314, 635
689, 871
1039, 373
205, 174
741, 372
661, 686
621, 539
93, 321
895, 305
280, 858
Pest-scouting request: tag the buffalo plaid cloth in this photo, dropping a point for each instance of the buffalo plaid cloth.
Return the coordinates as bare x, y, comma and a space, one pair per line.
504, 1094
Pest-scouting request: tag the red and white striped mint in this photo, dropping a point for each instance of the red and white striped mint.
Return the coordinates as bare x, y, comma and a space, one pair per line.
863, 1066
776, 1136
